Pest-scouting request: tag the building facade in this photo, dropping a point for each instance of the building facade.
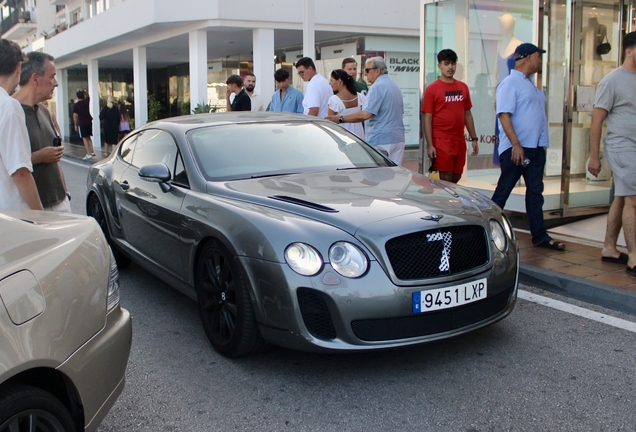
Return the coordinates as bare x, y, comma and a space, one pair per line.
165, 58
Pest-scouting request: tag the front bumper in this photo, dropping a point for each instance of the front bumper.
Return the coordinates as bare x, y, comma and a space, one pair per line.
370, 312
97, 369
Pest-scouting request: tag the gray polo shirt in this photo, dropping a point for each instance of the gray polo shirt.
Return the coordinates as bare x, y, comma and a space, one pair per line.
616, 94
49, 178
385, 102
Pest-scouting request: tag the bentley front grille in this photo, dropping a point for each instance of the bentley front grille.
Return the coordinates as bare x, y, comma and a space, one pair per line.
439, 252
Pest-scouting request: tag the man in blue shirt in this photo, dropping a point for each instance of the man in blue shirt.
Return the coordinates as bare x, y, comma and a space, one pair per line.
383, 110
286, 98
523, 138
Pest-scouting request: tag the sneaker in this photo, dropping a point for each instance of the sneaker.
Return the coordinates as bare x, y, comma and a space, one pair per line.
87, 157
93, 154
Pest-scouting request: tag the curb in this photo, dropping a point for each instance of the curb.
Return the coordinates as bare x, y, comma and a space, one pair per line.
570, 286
79, 159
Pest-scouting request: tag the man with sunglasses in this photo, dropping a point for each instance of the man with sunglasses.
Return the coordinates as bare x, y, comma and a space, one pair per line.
384, 109
37, 84
317, 89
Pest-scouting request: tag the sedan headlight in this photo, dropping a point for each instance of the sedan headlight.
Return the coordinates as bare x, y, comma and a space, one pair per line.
497, 235
303, 259
508, 227
113, 283
348, 260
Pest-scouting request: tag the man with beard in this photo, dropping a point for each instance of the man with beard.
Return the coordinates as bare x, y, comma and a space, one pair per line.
249, 83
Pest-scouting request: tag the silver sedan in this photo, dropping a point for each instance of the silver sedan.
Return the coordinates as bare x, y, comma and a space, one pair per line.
289, 230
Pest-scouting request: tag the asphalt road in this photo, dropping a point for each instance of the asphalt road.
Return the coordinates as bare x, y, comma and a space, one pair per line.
539, 369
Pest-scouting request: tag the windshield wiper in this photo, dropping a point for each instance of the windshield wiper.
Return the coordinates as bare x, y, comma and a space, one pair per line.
272, 175
355, 168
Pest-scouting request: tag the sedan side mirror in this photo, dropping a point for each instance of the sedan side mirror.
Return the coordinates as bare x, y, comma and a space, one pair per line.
156, 173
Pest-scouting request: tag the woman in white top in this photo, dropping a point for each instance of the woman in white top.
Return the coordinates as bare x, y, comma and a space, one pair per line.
347, 101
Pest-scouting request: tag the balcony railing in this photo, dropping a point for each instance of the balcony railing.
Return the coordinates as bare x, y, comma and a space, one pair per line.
15, 17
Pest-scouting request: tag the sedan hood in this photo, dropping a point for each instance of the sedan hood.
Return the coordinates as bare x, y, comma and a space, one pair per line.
351, 199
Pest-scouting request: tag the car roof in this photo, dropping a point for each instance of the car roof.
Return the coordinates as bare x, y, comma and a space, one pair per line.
185, 123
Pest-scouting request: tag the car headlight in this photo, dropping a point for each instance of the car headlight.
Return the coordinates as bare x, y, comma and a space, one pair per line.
497, 235
303, 259
508, 227
113, 284
348, 260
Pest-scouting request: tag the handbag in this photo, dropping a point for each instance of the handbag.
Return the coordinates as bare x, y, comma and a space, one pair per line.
603, 47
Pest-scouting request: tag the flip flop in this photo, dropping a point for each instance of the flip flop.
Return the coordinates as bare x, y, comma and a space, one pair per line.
551, 244
631, 270
622, 259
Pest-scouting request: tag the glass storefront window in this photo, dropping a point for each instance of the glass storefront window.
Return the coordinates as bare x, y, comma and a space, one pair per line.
484, 35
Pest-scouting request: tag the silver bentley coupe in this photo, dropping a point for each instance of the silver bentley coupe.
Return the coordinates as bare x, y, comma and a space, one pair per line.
289, 230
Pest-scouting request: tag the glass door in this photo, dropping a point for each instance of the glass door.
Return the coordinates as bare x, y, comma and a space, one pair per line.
595, 52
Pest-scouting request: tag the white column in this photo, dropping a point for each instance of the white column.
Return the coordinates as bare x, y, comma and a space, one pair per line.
309, 38
198, 68
140, 83
93, 92
61, 103
263, 55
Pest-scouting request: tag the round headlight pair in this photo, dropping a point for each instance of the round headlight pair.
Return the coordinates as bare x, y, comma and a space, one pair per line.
345, 258
497, 235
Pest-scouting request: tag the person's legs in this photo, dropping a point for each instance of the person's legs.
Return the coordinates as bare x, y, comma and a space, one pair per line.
510, 175
445, 159
396, 152
629, 229
533, 177
614, 224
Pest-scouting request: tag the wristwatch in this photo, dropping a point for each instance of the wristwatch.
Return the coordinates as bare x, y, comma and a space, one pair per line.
474, 139
341, 119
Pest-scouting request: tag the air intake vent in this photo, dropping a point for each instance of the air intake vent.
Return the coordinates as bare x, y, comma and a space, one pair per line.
315, 314
304, 203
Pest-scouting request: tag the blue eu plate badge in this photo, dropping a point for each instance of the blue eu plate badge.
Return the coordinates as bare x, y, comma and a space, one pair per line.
417, 302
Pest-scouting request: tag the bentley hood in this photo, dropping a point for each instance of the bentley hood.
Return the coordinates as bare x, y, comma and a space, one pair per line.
351, 199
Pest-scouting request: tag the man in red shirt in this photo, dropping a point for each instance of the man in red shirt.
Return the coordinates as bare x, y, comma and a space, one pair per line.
446, 109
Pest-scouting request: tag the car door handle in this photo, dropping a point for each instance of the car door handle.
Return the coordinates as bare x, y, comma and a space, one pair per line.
124, 185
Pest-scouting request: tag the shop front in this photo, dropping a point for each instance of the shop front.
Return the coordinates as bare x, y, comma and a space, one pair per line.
582, 40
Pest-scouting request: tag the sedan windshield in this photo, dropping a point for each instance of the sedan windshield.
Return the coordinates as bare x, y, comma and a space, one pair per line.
251, 150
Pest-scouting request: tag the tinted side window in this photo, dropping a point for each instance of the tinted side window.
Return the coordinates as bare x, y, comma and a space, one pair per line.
155, 146
127, 148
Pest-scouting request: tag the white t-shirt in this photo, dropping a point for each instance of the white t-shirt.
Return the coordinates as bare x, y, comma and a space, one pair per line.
15, 150
257, 102
317, 94
336, 105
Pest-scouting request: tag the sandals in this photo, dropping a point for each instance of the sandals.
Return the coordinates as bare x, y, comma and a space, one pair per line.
551, 244
621, 259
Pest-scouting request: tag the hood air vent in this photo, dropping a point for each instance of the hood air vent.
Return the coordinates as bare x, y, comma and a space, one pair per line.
304, 203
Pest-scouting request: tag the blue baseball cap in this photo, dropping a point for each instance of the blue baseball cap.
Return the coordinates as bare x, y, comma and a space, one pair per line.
526, 49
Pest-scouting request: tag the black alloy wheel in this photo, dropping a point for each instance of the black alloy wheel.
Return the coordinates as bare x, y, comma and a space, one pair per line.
24, 408
225, 304
96, 211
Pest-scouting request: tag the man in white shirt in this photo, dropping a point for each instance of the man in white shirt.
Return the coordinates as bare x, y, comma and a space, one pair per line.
17, 187
249, 84
317, 89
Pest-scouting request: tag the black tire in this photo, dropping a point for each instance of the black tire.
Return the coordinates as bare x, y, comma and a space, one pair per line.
25, 408
96, 211
225, 304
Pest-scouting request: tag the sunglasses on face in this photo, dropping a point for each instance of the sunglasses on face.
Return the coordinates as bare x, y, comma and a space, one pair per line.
368, 69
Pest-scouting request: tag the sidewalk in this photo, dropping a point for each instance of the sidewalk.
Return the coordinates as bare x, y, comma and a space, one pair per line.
577, 272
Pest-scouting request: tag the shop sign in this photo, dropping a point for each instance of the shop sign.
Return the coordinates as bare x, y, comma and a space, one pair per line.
404, 70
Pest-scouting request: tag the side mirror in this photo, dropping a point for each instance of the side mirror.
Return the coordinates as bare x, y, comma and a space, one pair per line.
156, 173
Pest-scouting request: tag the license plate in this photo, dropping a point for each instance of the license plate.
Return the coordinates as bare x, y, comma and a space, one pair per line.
449, 297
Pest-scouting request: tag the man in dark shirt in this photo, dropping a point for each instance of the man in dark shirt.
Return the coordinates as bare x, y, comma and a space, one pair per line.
84, 121
37, 83
242, 101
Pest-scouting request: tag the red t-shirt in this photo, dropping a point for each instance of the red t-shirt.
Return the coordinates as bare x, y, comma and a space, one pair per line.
448, 102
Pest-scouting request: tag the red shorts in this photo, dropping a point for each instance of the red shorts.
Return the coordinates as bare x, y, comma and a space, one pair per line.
451, 155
